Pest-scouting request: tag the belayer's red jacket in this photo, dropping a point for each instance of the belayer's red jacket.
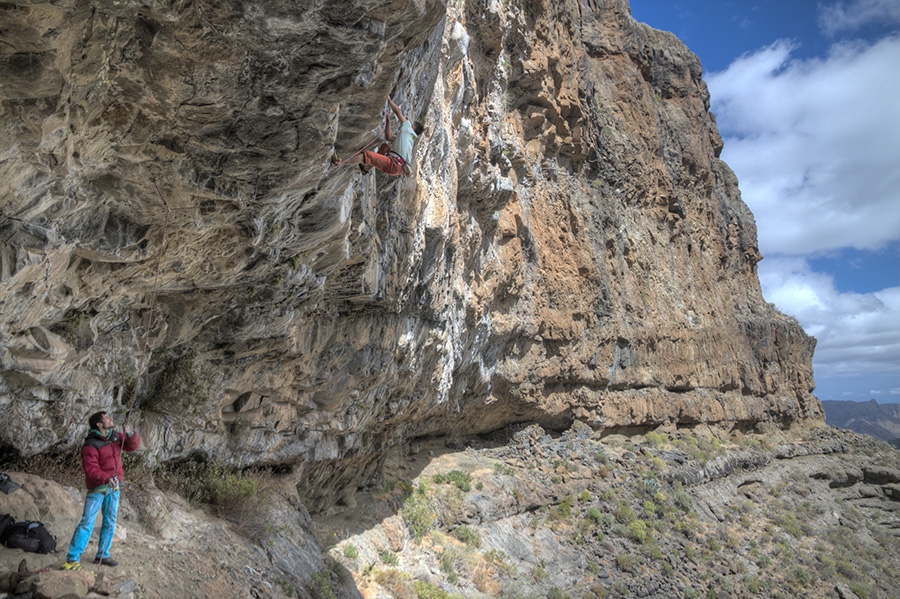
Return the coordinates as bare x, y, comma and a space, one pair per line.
101, 457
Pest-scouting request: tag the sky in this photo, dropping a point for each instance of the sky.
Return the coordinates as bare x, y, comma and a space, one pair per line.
806, 94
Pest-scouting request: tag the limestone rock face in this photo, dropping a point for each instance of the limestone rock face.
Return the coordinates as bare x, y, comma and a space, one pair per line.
174, 244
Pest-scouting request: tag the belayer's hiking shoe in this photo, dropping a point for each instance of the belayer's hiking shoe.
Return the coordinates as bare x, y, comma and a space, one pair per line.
106, 561
71, 566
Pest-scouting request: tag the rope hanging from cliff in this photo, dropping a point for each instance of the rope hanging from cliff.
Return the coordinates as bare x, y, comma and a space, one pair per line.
145, 351
379, 135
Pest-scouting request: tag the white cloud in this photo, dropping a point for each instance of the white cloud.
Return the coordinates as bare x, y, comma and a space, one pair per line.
814, 144
850, 16
894, 391
857, 333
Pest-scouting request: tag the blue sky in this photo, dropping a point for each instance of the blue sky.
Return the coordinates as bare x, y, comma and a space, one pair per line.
807, 96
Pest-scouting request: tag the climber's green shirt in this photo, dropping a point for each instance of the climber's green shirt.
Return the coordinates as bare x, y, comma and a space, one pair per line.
403, 143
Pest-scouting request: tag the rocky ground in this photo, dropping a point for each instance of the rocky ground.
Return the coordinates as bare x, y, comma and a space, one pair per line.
667, 514
192, 554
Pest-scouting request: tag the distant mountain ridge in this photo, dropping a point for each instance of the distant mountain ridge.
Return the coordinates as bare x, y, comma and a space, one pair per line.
881, 421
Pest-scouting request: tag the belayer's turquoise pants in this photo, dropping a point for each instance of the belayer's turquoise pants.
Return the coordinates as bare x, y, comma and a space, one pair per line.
108, 504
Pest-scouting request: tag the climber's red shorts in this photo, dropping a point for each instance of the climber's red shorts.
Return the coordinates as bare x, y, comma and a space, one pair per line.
388, 164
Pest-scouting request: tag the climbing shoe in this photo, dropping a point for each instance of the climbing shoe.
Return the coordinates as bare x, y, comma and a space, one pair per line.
106, 561
335, 160
71, 566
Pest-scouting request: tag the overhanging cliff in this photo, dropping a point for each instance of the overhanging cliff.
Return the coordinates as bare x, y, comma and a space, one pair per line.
569, 246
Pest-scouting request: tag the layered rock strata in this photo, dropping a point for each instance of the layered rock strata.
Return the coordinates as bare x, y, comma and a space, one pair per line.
175, 245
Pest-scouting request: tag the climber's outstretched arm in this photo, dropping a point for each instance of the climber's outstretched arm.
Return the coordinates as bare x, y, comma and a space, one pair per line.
388, 134
397, 111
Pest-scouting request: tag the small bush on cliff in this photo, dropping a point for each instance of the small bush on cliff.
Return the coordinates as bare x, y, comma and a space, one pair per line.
398, 583
502, 468
564, 509
556, 593
656, 439
236, 496
639, 531
418, 513
460, 479
429, 590
64, 468
324, 585
626, 562
72, 326
288, 588
467, 535
179, 388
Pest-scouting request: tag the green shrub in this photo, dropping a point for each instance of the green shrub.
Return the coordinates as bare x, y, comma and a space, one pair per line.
599, 592
501, 468
234, 495
800, 576
655, 439
556, 593
539, 573
626, 562
180, 388
419, 515
399, 584
429, 590
467, 535
456, 477
752, 584
639, 531
682, 499
564, 509
389, 557
289, 589
624, 514
350, 551
324, 585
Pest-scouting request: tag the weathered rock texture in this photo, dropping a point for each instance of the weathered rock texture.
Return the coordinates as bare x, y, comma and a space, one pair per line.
569, 247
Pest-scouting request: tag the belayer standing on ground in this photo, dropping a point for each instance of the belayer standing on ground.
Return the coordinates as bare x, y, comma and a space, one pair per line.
394, 154
101, 458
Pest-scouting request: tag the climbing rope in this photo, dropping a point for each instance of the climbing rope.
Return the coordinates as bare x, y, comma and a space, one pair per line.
144, 352
378, 136
368, 145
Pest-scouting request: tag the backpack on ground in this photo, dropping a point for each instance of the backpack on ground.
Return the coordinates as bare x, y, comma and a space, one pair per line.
6, 484
28, 536
5, 522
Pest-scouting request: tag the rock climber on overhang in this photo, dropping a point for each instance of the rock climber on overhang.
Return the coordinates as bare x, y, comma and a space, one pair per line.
394, 154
